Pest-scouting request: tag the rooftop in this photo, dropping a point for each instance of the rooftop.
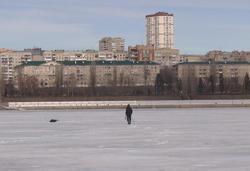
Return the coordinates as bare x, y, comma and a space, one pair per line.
37, 63
215, 62
160, 14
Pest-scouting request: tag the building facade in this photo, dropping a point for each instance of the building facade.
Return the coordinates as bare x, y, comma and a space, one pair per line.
167, 56
9, 60
88, 73
112, 44
141, 53
193, 58
228, 56
160, 30
229, 74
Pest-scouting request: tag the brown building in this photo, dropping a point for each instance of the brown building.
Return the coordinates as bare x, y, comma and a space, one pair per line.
141, 53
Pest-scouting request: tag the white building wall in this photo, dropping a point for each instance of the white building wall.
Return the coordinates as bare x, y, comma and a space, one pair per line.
160, 30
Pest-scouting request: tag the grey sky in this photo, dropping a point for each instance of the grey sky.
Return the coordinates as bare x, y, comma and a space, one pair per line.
200, 25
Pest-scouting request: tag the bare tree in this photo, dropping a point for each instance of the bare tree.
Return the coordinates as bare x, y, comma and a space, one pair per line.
93, 77
114, 76
191, 82
146, 73
28, 85
72, 83
32, 85
200, 86
121, 79
168, 78
246, 83
158, 84
212, 76
20, 81
221, 83
2, 84
58, 78
211, 84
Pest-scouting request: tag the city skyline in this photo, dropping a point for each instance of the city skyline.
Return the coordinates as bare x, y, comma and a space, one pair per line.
200, 26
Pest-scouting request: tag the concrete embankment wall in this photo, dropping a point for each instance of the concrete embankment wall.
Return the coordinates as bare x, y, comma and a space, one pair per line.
135, 104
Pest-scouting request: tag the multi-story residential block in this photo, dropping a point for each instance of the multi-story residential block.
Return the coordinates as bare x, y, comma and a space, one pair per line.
228, 56
115, 44
61, 55
121, 56
4, 50
9, 60
37, 53
112, 56
56, 55
141, 53
167, 56
88, 73
231, 73
90, 55
106, 55
192, 58
160, 30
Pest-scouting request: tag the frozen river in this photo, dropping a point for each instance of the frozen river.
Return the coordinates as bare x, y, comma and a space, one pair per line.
100, 140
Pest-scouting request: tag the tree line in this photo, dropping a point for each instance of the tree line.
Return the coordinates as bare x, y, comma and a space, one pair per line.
66, 85
166, 84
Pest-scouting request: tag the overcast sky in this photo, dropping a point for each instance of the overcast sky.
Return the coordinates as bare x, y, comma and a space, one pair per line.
200, 25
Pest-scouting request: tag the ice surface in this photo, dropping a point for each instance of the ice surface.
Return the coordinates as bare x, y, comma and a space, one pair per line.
100, 140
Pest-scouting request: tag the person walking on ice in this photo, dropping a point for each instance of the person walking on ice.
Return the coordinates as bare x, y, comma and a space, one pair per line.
129, 112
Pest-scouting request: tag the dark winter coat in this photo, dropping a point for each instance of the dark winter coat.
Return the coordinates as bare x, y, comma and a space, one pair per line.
129, 110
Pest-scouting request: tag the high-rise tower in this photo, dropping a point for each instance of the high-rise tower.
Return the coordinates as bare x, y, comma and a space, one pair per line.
160, 30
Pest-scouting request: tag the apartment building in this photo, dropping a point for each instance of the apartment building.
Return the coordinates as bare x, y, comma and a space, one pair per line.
160, 30
112, 44
141, 53
82, 73
167, 56
9, 60
90, 55
61, 55
193, 58
112, 56
216, 55
232, 72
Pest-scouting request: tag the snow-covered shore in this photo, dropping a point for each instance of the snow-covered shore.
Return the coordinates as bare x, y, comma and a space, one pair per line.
135, 104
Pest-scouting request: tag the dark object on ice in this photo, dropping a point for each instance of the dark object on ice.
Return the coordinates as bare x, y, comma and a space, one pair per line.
129, 112
53, 120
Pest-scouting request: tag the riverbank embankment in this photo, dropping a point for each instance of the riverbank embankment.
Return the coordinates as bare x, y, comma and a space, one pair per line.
135, 104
